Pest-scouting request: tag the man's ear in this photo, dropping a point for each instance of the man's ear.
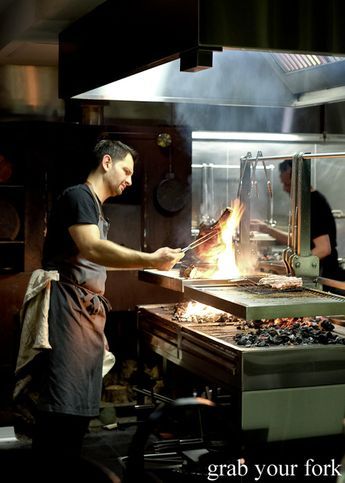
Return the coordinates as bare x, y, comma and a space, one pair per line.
107, 162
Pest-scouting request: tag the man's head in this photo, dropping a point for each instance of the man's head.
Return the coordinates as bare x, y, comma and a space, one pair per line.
285, 170
115, 160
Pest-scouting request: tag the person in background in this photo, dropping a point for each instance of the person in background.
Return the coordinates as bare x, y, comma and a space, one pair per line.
76, 251
322, 228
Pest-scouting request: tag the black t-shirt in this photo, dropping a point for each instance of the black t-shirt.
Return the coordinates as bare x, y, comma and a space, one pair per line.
75, 205
322, 223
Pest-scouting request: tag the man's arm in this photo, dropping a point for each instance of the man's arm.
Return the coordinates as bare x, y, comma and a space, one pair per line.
110, 254
322, 246
279, 235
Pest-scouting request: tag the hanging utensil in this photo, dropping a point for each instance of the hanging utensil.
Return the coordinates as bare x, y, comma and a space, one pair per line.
239, 190
254, 182
207, 205
170, 194
268, 181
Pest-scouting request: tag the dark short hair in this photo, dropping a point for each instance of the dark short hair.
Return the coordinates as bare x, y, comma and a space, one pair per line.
114, 148
285, 165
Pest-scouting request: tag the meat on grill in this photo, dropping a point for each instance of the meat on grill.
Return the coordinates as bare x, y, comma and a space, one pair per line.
281, 282
204, 251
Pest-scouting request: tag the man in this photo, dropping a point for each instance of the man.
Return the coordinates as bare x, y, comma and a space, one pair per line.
322, 227
69, 390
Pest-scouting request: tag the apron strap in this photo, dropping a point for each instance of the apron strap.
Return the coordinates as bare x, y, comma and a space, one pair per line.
98, 203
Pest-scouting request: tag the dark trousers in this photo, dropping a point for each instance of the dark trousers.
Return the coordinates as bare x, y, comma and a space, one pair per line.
56, 445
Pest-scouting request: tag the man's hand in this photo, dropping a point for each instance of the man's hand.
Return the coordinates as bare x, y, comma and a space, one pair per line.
259, 225
165, 258
280, 235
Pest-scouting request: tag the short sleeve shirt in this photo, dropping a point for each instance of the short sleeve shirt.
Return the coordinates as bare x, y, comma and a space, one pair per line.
76, 205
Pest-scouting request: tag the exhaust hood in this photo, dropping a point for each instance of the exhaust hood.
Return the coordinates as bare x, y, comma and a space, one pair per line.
220, 52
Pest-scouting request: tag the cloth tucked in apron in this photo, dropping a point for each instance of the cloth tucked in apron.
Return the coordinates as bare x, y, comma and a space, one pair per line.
72, 381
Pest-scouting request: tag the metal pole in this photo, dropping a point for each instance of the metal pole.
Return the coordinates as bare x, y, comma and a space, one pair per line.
291, 156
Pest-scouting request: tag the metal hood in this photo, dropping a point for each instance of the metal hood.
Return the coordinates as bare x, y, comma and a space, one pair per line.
221, 52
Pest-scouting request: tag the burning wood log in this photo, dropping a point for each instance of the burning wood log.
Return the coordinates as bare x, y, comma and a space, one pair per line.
205, 250
195, 312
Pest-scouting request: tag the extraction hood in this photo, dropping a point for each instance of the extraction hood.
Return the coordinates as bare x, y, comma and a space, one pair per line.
221, 52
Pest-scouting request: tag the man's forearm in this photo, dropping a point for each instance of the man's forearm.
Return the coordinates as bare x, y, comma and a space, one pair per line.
112, 255
280, 235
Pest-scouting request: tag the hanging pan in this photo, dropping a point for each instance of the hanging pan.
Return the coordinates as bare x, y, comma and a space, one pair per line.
171, 193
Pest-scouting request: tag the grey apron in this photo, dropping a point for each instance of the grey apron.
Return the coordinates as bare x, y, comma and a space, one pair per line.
77, 315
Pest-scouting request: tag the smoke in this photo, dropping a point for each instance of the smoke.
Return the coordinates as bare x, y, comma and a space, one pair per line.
241, 92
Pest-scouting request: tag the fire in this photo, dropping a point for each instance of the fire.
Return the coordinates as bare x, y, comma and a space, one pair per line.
196, 310
226, 261
217, 252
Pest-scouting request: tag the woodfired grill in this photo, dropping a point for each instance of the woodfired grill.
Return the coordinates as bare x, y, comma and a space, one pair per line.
266, 382
243, 298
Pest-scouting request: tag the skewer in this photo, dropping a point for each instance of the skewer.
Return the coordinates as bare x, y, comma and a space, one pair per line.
200, 241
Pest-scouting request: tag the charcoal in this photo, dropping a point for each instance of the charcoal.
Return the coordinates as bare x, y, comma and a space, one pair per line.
322, 339
327, 325
288, 332
262, 343
277, 340
284, 331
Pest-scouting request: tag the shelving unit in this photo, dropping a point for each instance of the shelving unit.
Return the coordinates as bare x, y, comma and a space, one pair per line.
12, 228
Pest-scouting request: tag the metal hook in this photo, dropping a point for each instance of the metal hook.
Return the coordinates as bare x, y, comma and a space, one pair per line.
268, 181
254, 182
246, 157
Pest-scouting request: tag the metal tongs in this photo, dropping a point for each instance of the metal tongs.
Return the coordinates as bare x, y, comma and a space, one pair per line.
254, 183
200, 241
268, 181
239, 190
253, 179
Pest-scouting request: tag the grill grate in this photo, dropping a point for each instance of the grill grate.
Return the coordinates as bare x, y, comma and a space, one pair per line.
272, 292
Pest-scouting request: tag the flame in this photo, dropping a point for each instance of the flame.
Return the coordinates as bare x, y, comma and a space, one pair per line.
223, 255
196, 309
226, 260
219, 251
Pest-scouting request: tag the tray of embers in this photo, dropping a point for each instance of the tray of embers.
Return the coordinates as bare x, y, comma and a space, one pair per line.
269, 297
288, 331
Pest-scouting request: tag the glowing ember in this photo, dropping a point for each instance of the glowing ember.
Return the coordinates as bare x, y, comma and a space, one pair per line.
196, 312
201, 310
261, 333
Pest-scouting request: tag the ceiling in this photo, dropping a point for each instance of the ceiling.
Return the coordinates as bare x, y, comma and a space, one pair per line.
29, 31
29, 28
197, 51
